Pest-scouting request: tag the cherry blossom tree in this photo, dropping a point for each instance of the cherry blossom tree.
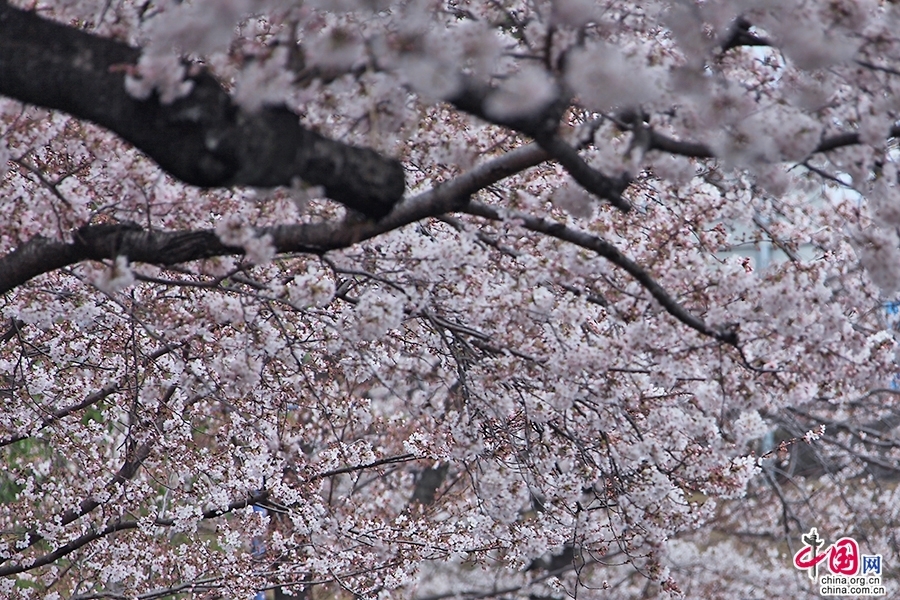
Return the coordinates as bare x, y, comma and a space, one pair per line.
445, 299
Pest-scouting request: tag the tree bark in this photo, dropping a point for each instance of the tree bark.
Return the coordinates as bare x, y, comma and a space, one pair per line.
203, 139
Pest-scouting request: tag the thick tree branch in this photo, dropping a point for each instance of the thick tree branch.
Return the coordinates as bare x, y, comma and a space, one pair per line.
474, 97
15, 325
135, 455
612, 254
543, 126
96, 534
588, 177
848, 139
63, 412
37, 255
127, 471
664, 143
41, 255
50, 557
203, 138
740, 35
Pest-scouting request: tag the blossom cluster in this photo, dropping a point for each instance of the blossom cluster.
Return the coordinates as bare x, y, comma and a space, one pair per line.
469, 402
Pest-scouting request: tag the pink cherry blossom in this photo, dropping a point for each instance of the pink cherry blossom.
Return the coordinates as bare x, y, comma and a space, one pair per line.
445, 298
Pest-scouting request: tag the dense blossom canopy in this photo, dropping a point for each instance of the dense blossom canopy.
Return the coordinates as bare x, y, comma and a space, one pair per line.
432, 299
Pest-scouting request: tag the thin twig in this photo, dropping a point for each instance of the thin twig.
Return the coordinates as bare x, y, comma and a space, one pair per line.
612, 254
